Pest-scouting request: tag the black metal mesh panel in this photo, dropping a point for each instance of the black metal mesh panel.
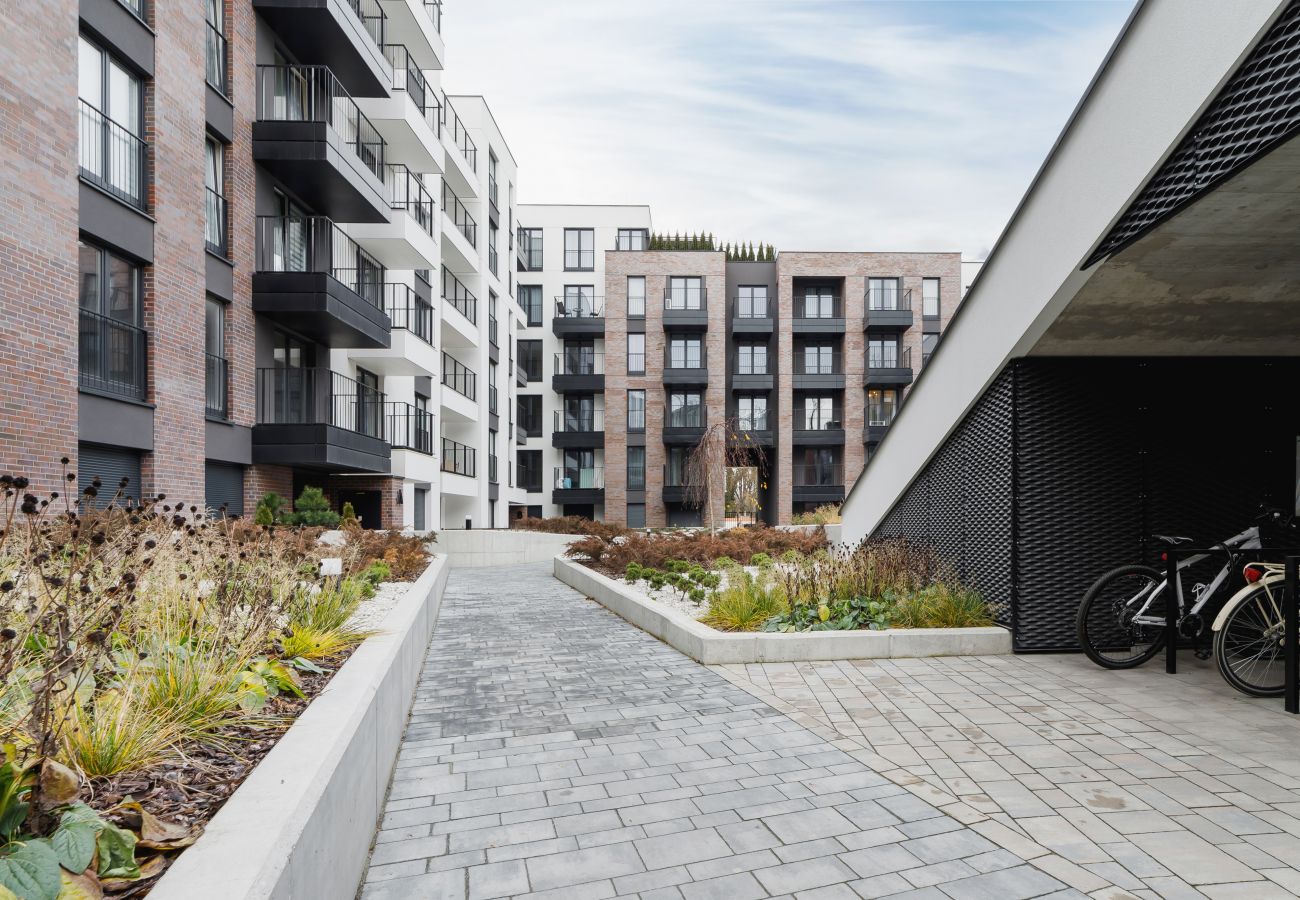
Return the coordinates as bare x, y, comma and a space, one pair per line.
1256, 111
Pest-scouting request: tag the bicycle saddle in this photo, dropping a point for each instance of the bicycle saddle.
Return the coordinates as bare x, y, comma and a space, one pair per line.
1172, 539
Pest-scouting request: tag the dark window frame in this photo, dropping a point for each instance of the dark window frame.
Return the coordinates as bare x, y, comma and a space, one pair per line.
580, 232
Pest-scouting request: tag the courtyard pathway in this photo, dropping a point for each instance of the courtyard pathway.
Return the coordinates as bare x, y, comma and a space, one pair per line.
556, 751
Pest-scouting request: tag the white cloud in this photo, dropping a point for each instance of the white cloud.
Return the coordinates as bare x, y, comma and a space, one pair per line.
810, 125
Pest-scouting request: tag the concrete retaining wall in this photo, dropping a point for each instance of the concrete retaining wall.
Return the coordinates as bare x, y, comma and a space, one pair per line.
301, 825
484, 547
706, 645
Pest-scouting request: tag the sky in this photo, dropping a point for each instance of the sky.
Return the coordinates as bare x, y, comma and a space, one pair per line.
807, 124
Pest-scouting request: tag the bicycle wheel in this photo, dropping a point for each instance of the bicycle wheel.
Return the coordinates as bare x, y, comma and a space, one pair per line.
1107, 632
1248, 648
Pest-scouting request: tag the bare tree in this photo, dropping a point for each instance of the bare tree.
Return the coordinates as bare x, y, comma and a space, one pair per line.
723, 446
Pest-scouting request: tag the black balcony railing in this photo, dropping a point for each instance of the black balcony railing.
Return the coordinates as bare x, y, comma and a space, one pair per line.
889, 357
113, 356
817, 475
408, 427
819, 307
750, 308
315, 244
408, 77
458, 377
675, 476
313, 94
372, 18
685, 417
881, 413
459, 214
289, 396
579, 306
406, 191
815, 363
433, 9
753, 422
458, 459
576, 478
217, 391
690, 298
586, 421
458, 134
112, 157
214, 223
754, 365
579, 361
818, 420
216, 60
888, 297
136, 6
408, 311
458, 296
693, 356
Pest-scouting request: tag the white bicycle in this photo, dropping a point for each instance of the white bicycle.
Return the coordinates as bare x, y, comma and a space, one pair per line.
1121, 621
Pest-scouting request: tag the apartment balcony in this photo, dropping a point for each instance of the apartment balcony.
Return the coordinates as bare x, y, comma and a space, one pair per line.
579, 317
459, 233
111, 157
408, 427
686, 311
409, 239
345, 35
888, 310
751, 377
890, 368
583, 430
684, 428
820, 319
459, 312
874, 433
319, 419
458, 459
459, 377
311, 135
462, 154
578, 484
752, 316
578, 370
686, 368
409, 119
814, 431
755, 431
521, 376
818, 371
818, 483
521, 435
419, 22
314, 279
410, 350
113, 357
676, 488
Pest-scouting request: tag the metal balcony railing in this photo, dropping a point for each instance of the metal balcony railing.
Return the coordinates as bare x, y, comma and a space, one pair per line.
313, 94
214, 223
819, 306
584, 422
685, 417
136, 6
408, 427
289, 396
675, 476
112, 157
407, 77
433, 9
690, 298
372, 18
408, 311
817, 420
889, 357
574, 478
881, 413
217, 386
818, 363
579, 361
216, 60
888, 297
458, 134
755, 365
112, 356
459, 296
579, 306
755, 422
315, 244
406, 191
459, 214
817, 475
691, 356
751, 308
459, 377
458, 459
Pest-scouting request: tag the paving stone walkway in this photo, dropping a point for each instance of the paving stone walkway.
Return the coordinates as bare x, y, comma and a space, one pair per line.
556, 751
1158, 785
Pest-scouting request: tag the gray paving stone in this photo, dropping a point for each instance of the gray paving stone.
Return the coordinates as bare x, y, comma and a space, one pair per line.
579, 866
681, 848
808, 825
804, 875
498, 880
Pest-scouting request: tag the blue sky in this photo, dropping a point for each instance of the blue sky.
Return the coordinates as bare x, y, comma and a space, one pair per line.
809, 124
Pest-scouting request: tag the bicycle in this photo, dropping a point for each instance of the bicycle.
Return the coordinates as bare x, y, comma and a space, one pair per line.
1121, 620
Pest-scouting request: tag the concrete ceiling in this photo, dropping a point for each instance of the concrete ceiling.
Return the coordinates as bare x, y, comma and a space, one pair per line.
1221, 278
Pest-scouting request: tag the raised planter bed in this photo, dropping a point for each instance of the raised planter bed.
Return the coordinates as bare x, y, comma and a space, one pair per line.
301, 824
712, 647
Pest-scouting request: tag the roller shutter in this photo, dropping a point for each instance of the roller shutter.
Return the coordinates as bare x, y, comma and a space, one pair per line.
110, 465
225, 487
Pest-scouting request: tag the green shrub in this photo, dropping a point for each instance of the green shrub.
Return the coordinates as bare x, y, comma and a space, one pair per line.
312, 509
268, 509
943, 606
745, 604
762, 560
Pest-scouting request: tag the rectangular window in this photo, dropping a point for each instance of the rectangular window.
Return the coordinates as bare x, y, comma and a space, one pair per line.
636, 515
492, 248
636, 297
530, 249
883, 293
492, 179
881, 406
112, 153
216, 44
579, 302
492, 388
751, 302
636, 410
751, 413
928, 343
817, 359
635, 353
819, 303
675, 467
819, 414
930, 298
580, 413
580, 358
216, 369
530, 298
113, 347
685, 410
530, 470
214, 209
636, 468
530, 414
686, 353
632, 239
882, 353
530, 359
579, 249
685, 293
751, 359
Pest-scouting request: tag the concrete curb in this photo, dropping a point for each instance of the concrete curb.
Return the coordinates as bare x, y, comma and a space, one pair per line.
301, 825
719, 648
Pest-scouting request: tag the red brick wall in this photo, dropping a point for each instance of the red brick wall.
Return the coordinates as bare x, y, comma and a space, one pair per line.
390, 489
38, 240
241, 188
259, 480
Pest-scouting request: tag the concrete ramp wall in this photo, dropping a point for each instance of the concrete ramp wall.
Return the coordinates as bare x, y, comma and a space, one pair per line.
479, 548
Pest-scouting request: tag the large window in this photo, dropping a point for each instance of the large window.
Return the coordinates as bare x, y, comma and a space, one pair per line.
881, 406
928, 343
685, 409
113, 346
579, 302
112, 152
530, 359
930, 298
819, 302
217, 368
214, 209
882, 293
686, 353
579, 249
635, 353
675, 467
530, 414
685, 293
819, 414
216, 45
636, 468
530, 470
492, 178
751, 301
818, 359
636, 410
492, 388
492, 248
751, 413
882, 353
530, 249
632, 239
530, 298
751, 359
636, 297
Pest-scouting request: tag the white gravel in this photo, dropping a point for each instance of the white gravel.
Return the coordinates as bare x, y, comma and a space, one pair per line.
370, 615
671, 599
